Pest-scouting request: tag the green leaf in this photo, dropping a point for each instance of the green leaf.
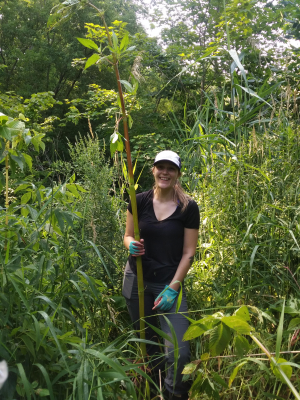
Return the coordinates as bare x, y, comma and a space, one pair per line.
119, 101
18, 160
26, 197
115, 41
243, 313
88, 43
28, 160
16, 126
294, 324
131, 48
238, 324
279, 332
92, 60
130, 121
124, 42
252, 93
241, 345
189, 368
24, 381
127, 85
3, 119
193, 331
59, 219
199, 327
219, 380
42, 392
29, 344
220, 337
287, 369
234, 373
237, 62
22, 187
5, 132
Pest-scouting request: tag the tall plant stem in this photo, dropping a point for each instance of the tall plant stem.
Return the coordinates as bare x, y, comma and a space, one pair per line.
6, 183
131, 186
6, 195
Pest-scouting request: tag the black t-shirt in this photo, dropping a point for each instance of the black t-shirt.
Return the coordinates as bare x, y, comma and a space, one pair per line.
163, 240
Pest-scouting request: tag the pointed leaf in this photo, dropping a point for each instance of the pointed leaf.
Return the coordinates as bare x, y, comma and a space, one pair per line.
28, 160
243, 313
237, 61
127, 85
252, 93
88, 43
124, 42
25, 198
18, 160
92, 60
115, 41
234, 373
279, 332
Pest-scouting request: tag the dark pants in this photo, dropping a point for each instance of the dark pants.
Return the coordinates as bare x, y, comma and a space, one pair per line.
179, 322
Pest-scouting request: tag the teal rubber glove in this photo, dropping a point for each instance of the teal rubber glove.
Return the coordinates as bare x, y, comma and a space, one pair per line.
136, 248
165, 300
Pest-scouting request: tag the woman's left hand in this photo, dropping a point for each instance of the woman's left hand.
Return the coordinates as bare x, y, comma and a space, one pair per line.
165, 300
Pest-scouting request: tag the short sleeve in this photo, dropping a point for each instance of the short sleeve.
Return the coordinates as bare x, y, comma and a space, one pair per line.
192, 220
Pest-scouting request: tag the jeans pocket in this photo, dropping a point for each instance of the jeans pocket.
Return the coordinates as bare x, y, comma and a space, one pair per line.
128, 283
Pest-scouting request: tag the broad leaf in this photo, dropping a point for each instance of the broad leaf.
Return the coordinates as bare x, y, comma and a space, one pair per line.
243, 313
18, 160
3, 119
241, 345
25, 198
220, 337
199, 327
294, 324
287, 369
5, 132
189, 368
238, 324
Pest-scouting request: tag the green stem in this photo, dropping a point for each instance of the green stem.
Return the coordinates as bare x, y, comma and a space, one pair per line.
273, 361
131, 187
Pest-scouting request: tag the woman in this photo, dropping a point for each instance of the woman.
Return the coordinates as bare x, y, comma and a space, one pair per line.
169, 224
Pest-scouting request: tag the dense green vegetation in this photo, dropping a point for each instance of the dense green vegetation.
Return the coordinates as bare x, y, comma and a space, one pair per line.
222, 89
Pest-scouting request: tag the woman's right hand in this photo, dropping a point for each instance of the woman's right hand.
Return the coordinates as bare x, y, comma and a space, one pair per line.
136, 248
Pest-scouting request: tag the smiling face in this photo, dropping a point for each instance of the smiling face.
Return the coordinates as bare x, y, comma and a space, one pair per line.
165, 174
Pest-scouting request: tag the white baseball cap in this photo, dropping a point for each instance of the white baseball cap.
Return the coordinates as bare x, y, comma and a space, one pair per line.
168, 155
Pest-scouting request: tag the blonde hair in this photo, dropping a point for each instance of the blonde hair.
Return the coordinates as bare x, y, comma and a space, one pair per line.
180, 196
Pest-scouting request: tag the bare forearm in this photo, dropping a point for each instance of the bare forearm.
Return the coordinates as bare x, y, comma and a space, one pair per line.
127, 240
182, 270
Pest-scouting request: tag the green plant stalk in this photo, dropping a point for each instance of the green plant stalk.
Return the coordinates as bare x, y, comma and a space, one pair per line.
131, 188
273, 361
6, 197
